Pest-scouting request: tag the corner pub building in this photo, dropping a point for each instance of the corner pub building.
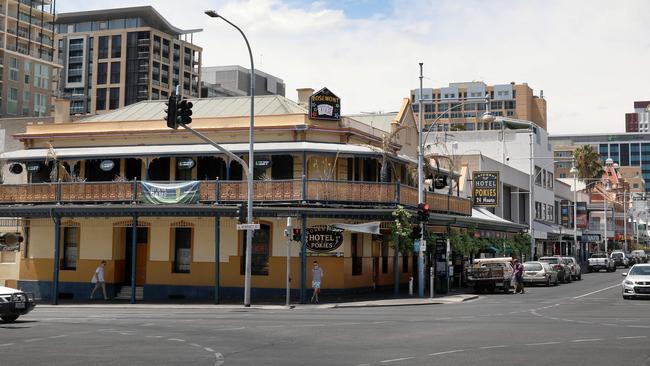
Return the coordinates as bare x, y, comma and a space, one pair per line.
94, 188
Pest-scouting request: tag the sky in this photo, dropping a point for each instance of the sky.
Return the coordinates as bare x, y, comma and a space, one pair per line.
590, 57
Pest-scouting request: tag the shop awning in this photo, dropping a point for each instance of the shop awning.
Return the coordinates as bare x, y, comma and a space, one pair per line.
105, 152
367, 228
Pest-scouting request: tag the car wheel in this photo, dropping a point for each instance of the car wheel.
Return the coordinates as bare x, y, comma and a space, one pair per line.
9, 318
548, 282
557, 282
569, 278
580, 276
625, 297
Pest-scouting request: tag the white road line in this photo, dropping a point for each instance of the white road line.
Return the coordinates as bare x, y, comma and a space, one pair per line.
384, 322
58, 336
307, 325
271, 326
609, 324
224, 329
208, 349
638, 326
147, 325
491, 347
632, 337
196, 345
597, 291
176, 339
542, 344
154, 336
33, 340
586, 340
397, 359
364, 364
446, 352
6, 344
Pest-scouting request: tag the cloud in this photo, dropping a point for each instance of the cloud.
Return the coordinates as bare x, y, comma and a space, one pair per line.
589, 57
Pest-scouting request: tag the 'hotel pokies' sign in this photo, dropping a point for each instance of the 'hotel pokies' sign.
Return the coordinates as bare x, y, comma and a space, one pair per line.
322, 239
325, 105
485, 189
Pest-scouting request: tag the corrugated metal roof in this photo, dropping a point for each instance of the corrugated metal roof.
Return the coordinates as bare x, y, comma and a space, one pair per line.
380, 121
265, 105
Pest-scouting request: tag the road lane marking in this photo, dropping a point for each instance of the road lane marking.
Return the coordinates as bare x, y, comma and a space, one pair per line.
632, 337
491, 347
208, 349
6, 344
224, 329
195, 345
597, 291
58, 336
638, 326
176, 339
446, 352
609, 324
33, 340
396, 360
542, 344
586, 340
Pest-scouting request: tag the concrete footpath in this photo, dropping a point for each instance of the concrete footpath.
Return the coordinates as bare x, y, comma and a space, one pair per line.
451, 299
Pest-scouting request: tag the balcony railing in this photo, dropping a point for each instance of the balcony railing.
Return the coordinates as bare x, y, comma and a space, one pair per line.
277, 191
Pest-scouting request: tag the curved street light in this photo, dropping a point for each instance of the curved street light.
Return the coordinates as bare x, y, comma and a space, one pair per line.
251, 163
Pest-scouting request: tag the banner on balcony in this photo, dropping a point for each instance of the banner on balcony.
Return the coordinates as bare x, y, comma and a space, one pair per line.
170, 193
485, 189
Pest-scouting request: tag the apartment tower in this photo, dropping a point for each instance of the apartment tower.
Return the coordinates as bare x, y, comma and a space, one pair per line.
26, 57
638, 120
115, 57
461, 105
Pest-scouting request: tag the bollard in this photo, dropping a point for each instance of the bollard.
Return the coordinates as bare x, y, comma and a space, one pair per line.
431, 282
411, 286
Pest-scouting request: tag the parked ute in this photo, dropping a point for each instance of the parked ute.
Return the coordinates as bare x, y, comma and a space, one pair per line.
599, 261
14, 303
491, 273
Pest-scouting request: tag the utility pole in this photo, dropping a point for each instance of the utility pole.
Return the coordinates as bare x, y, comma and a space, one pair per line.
420, 189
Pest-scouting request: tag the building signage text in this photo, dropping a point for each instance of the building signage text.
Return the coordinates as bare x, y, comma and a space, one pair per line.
323, 239
485, 189
325, 105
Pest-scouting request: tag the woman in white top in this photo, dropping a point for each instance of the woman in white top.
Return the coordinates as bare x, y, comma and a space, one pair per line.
99, 281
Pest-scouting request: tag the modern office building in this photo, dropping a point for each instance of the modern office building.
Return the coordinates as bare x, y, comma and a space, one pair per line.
116, 57
26, 63
507, 100
234, 80
625, 149
638, 120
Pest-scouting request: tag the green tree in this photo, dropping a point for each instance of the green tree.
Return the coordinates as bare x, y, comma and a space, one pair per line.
589, 164
401, 229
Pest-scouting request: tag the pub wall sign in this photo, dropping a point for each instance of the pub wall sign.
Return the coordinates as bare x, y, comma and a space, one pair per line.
323, 239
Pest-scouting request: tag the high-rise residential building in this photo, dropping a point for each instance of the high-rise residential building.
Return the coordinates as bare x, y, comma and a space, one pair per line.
639, 120
443, 105
234, 80
26, 57
625, 149
115, 57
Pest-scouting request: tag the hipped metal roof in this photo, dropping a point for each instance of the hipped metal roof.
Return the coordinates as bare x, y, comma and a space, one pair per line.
154, 110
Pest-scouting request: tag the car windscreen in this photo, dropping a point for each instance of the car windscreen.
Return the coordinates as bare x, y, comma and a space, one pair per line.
640, 271
550, 260
617, 255
598, 256
532, 267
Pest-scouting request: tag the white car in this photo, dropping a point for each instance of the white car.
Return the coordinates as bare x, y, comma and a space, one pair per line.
14, 303
640, 255
637, 282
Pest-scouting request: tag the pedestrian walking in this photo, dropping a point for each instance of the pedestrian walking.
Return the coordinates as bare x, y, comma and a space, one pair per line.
99, 280
317, 277
519, 277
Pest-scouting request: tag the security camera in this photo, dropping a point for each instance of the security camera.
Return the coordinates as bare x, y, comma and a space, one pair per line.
507, 158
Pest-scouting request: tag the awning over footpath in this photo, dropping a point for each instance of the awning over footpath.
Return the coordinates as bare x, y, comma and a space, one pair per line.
72, 153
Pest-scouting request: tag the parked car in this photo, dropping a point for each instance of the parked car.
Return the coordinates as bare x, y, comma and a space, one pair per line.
599, 261
539, 272
14, 303
574, 266
619, 258
491, 273
631, 260
640, 255
637, 282
559, 265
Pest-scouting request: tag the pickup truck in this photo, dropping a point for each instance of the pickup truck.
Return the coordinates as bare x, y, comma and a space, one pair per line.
491, 273
14, 303
599, 261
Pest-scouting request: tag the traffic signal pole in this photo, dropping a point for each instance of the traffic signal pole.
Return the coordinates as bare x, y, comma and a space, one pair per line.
420, 189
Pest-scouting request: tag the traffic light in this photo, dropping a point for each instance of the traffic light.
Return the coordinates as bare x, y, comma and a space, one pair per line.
241, 213
171, 112
423, 212
296, 234
416, 232
184, 112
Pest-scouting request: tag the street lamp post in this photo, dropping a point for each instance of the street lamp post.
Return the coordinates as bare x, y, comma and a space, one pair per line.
605, 190
486, 117
251, 164
574, 171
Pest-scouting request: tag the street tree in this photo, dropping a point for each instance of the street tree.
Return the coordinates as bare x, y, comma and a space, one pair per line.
589, 164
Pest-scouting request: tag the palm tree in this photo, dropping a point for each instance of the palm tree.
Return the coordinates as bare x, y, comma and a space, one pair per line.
588, 163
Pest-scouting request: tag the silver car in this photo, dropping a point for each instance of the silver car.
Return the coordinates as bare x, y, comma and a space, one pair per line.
637, 282
576, 270
540, 272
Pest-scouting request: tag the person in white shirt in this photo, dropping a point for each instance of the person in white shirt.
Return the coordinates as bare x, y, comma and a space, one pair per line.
99, 281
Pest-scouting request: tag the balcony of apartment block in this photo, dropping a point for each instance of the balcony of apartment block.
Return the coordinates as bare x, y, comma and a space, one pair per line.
143, 55
143, 79
282, 192
75, 72
76, 46
144, 41
78, 110
75, 60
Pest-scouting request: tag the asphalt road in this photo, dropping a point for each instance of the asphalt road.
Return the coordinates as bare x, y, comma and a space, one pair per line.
583, 323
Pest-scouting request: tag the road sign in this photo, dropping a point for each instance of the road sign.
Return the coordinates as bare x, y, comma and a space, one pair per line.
248, 226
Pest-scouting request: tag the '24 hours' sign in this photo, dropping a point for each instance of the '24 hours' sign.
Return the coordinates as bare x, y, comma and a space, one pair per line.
485, 189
